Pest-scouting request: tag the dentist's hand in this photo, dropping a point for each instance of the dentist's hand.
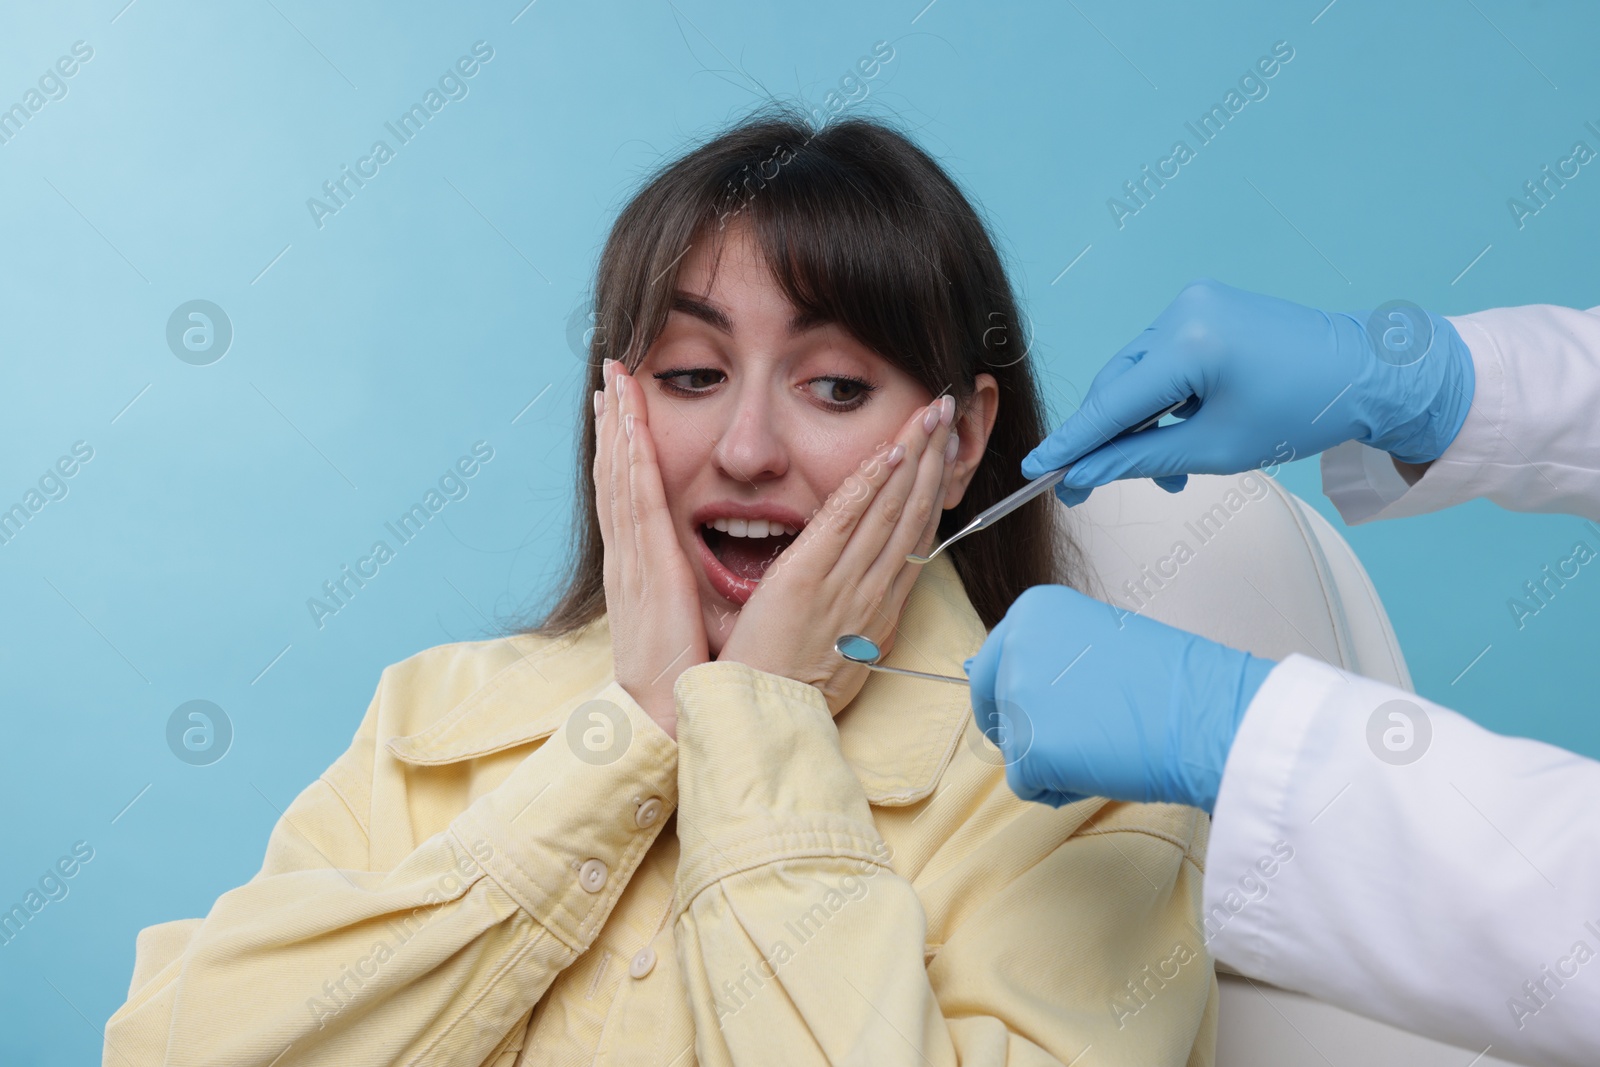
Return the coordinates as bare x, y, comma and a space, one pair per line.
1272, 381
1084, 700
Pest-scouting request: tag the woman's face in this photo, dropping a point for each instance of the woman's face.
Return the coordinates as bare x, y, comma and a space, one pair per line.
757, 418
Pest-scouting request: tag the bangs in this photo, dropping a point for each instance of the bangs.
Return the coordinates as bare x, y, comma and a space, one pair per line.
871, 268
854, 235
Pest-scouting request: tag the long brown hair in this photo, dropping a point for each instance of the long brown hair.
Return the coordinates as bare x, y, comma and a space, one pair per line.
863, 228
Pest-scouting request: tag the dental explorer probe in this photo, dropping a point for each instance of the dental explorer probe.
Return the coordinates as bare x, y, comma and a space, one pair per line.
993, 514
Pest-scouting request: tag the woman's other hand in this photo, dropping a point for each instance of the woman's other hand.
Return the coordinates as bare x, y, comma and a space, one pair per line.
651, 600
847, 571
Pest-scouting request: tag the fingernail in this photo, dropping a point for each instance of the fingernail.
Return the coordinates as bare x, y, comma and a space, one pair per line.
599, 403
948, 410
605, 370
931, 419
627, 425
951, 448
896, 454
621, 381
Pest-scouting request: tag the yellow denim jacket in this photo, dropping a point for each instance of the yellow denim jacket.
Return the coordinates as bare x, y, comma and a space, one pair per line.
501, 871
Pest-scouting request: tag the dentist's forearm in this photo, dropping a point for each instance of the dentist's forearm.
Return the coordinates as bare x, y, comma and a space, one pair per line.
1411, 472
1529, 442
1385, 854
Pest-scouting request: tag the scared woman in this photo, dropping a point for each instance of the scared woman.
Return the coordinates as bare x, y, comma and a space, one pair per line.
670, 824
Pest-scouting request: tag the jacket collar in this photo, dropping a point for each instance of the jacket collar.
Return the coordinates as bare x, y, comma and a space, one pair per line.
898, 733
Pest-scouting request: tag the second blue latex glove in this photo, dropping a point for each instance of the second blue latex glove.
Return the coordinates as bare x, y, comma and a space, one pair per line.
1083, 700
1272, 381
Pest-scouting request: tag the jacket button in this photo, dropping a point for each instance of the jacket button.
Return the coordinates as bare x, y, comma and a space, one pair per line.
592, 876
646, 814
642, 963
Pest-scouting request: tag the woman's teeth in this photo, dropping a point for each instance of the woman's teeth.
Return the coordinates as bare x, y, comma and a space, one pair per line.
752, 528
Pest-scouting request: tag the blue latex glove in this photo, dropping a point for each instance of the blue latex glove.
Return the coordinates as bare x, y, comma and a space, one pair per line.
1084, 700
1272, 381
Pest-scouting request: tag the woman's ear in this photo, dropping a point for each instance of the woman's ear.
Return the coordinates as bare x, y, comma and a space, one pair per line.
974, 426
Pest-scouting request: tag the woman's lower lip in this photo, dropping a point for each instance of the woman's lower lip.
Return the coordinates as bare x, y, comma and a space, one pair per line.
724, 582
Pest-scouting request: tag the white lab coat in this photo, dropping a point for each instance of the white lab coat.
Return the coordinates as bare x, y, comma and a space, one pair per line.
1457, 896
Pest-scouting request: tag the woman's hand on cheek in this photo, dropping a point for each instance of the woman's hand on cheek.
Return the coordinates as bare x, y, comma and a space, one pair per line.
652, 602
847, 571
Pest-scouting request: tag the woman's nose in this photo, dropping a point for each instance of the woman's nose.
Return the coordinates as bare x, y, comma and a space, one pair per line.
750, 447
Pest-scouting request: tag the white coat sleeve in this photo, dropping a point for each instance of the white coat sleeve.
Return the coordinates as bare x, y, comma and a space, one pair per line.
1531, 441
1388, 855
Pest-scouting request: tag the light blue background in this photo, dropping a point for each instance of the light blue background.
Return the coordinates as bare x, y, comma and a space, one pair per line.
428, 313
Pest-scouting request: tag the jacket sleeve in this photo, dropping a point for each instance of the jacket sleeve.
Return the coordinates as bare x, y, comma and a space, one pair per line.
319, 959
1529, 442
1420, 870
799, 942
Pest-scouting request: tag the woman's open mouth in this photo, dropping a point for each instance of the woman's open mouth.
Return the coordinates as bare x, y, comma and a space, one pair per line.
737, 552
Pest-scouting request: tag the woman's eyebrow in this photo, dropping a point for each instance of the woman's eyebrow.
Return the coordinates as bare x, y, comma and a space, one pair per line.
713, 315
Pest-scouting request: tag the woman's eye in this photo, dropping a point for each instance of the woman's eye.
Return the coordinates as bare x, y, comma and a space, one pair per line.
697, 380
840, 392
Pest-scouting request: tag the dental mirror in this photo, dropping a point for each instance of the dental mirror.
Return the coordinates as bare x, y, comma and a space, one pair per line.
865, 651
